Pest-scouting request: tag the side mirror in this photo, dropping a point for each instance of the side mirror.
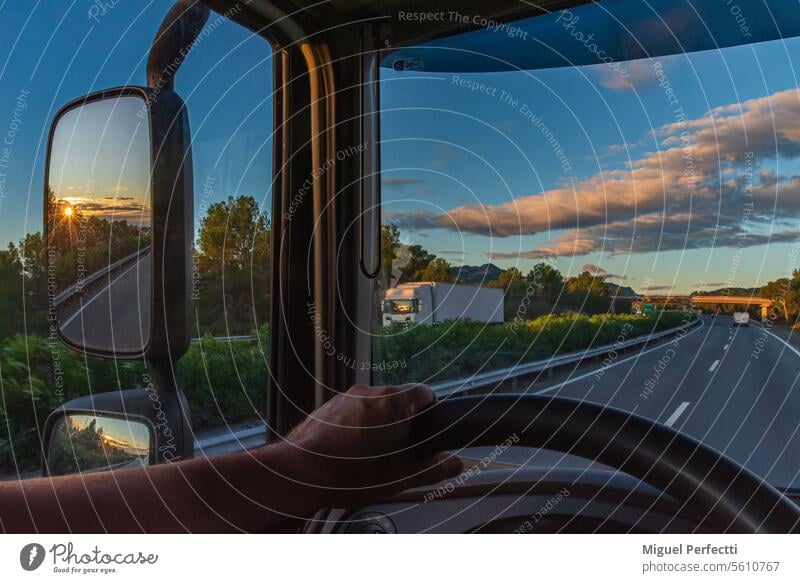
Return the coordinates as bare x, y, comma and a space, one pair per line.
99, 432
118, 230
82, 443
118, 221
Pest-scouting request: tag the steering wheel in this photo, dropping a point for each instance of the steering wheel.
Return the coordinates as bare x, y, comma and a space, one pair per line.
732, 498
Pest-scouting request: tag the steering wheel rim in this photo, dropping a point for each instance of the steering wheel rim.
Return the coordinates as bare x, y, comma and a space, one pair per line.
729, 495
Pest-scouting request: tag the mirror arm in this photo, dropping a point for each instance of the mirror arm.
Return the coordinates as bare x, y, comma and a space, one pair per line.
175, 38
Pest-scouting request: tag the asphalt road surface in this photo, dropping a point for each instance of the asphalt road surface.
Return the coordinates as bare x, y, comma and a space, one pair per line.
117, 314
733, 388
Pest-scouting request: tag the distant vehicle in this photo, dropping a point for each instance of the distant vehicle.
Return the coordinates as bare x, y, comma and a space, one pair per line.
433, 302
741, 319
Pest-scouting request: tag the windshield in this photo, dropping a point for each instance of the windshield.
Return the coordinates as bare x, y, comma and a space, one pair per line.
627, 210
399, 306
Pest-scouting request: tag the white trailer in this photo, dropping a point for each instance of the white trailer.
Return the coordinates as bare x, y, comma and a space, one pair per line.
428, 302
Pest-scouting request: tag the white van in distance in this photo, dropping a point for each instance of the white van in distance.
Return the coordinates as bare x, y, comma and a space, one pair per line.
431, 302
741, 319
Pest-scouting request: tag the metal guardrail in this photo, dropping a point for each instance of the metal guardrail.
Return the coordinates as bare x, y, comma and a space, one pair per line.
244, 338
65, 294
248, 435
479, 380
231, 438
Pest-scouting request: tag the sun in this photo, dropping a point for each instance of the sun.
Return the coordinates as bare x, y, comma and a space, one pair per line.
68, 212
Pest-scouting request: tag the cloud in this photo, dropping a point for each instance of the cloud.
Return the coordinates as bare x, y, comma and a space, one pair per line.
656, 287
709, 283
594, 269
448, 252
444, 154
597, 270
535, 254
630, 75
681, 196
400, 182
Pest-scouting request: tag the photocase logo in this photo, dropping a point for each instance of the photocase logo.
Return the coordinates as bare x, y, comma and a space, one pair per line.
31, 556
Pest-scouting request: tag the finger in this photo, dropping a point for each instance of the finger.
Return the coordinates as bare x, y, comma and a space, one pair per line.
418, 397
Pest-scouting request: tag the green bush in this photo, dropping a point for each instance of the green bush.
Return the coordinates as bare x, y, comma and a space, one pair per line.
36, 376
224, 382
459, 348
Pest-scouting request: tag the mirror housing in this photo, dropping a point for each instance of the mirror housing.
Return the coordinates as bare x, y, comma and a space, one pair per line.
170, 239
159, 431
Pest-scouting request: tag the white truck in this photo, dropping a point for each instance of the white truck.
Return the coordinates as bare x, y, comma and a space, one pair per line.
430, 302
741, 319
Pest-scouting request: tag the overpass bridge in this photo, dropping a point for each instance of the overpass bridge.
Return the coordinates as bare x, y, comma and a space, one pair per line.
747, 301
744, 301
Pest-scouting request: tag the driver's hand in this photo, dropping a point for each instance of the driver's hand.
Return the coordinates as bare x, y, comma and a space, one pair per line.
355, 446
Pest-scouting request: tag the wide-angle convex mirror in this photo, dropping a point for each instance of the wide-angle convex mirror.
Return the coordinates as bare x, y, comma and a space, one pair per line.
116, 213
100, 218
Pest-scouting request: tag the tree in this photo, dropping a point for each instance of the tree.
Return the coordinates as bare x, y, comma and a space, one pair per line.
390, 243
418, 261
780, 292
10, 292
437, 270
232, 283
511, 280
785, 295
586, 283
547, 280
589, 293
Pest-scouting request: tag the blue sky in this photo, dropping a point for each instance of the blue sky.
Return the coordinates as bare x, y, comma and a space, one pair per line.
453, 143
453, 155
58, 55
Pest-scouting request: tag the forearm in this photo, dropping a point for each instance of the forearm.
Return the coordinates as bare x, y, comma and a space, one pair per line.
248, 491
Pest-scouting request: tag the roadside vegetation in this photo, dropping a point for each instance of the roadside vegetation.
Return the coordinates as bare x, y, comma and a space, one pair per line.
227, 382
453, 350
231, 293
546, 313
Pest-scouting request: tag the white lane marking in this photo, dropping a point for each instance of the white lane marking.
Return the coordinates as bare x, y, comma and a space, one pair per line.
612, 365
674, 417
725, 347
789, 346
714, 366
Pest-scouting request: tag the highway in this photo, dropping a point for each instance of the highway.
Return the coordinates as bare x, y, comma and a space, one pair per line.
733, 388
115, 313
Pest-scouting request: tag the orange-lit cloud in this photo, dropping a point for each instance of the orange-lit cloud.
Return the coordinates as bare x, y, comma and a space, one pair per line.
705, 185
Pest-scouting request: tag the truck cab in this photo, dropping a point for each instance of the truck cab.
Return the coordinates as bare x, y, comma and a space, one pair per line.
408, 303
247, 168
431, 302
